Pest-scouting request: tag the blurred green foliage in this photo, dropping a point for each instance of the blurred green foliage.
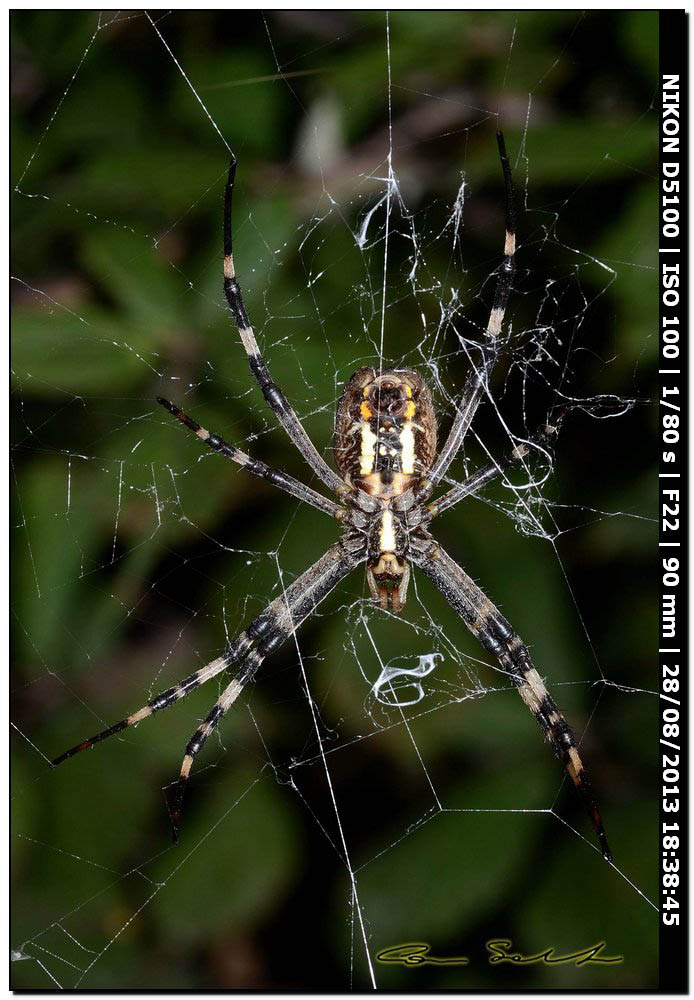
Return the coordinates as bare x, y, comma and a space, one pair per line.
135, 556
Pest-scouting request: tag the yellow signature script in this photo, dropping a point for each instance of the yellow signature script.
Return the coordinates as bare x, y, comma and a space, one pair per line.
500, 951
415, 954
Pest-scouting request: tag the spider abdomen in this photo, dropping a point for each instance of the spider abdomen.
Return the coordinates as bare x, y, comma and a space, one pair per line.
385, 431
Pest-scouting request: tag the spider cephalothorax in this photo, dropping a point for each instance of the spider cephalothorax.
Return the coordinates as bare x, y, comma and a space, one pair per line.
385, 451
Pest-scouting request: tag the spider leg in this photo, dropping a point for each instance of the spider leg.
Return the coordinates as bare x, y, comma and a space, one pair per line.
477, 380
275, 398
333, 563
277, 624
494, 632
478, 480
166, 698
277, 478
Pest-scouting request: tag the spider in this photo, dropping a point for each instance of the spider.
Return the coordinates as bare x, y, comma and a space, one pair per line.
385, 452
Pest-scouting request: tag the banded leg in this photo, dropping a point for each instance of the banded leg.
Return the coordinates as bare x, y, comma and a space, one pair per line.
275, 398
279, 622
488, 473
167, 698
495, 633
237, 650
477, 380
281, 479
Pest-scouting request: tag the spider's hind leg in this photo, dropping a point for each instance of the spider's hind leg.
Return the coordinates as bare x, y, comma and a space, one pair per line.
274, 396
477, 381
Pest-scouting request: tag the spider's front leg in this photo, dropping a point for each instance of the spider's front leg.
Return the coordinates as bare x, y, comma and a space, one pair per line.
494, 632
267, 631
272, 628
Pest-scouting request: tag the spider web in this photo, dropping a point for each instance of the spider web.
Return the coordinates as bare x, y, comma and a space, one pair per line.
381, 782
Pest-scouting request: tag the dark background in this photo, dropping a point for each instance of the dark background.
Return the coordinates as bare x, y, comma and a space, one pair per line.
135, 556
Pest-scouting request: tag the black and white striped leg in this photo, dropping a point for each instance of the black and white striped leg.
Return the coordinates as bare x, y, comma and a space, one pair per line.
272, 628
167, 698
281, 479
477, 380
236, 651
275, 398
245, 674
488, 473
326, 572
494, 632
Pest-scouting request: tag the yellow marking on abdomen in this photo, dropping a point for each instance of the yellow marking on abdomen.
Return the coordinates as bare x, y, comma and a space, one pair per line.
375, 487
